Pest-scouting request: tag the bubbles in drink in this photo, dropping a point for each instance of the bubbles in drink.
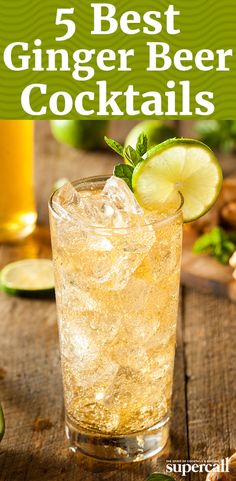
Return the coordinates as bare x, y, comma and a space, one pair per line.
117, 273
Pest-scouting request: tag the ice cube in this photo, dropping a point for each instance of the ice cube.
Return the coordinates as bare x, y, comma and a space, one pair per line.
104, 324
78, 347
99, 210
119, 192
109, 262
97, 375
97, 256
86, 334
130, 356
65, 201
76, 300
109, 208
113, 207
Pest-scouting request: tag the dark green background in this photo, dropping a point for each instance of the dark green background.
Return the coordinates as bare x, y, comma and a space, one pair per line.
203, 24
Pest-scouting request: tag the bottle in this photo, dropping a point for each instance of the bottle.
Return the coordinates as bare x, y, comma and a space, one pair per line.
17, 205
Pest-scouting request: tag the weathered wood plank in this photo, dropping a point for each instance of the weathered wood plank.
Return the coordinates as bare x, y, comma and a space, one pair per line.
179, 428
210, 333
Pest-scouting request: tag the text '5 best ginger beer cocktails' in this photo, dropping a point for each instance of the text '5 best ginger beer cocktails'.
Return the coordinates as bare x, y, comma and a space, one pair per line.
117, 267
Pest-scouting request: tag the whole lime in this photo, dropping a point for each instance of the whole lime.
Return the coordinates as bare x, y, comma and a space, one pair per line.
155, 130
81, 134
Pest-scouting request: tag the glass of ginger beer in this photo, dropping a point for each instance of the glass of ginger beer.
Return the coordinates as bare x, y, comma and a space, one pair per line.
17, 206
117, 270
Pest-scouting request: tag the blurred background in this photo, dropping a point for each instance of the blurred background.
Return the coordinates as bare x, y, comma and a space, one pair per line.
55, 160
38, 157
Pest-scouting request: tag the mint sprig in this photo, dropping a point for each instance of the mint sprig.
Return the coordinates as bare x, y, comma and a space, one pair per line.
125, 172
131, 155
118, 148
218, 243
142, 144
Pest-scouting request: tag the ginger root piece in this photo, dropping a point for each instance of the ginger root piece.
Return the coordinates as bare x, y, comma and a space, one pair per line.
228, 214
232, 459
214, 476
232, 263
231, 476
214, 216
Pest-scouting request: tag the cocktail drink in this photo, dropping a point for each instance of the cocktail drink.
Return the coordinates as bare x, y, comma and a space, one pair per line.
117, 251
117, 282
17, 207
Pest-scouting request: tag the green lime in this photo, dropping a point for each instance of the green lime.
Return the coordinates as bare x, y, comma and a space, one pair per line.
2, 423
179, 165
155, 130
28, 278
82, 134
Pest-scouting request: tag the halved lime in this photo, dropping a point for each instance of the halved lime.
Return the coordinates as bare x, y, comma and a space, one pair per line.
179, 165
81, 134
28, 278
2, 423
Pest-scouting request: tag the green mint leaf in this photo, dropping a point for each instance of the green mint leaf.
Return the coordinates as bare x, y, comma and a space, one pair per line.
220, 134
232, 237
207, 241
125, 172
160, 477
218, 250
218, 243
224, 251
2, 423
118, 148
218, 235
131, 155
224, 258
202, 244
229, 246
142, 144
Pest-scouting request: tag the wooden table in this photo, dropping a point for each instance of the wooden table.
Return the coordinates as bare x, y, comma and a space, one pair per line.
204, 404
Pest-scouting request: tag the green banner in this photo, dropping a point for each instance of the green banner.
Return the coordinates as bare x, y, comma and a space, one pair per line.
126, 59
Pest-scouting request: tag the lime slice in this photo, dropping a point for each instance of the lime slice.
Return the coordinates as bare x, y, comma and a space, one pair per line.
179, 165
28, 278
2, 423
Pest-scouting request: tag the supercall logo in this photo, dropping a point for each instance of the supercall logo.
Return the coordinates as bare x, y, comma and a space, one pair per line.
185, 467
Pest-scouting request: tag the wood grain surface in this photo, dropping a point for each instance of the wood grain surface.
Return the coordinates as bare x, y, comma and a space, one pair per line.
204, 402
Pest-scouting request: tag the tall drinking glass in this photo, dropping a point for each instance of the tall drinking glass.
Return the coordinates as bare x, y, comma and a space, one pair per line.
17, 206
117, 295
